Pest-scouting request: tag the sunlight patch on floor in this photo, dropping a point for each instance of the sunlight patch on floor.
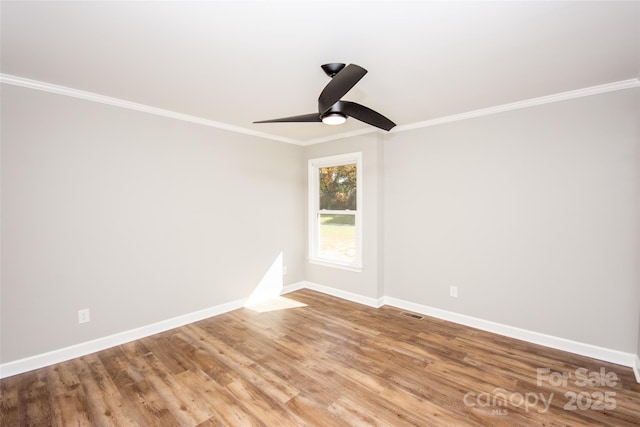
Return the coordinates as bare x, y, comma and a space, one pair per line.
266, 296
273, 304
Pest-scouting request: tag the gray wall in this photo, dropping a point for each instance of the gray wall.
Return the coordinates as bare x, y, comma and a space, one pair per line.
137, 217
368, 282
533, 214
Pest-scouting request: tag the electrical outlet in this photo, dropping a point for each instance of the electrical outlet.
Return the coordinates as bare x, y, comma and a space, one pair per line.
453, 291
83, 316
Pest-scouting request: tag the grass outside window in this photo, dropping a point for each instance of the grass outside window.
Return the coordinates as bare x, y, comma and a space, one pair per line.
338, 237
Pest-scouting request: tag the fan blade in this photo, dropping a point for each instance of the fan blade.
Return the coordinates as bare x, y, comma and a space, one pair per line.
313, 117
365, 114
339, 85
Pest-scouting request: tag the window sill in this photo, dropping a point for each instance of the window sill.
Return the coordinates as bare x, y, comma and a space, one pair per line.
333, 264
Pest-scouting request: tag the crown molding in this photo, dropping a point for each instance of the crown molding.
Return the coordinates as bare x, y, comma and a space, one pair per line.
102, 99
90, 96
563, 96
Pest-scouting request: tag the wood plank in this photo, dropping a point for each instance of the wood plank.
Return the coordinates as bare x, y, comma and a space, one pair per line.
147, 405
104, 402
71, 409
9, 400
226, 409
178, 398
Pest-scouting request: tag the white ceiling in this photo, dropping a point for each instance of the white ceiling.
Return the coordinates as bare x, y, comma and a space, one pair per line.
237, 62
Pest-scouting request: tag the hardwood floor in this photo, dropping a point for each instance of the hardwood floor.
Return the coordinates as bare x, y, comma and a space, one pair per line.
331, 363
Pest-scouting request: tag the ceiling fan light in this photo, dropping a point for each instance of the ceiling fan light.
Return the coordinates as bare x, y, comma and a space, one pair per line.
334, 119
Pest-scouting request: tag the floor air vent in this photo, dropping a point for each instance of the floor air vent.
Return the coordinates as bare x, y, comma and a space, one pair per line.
412, 315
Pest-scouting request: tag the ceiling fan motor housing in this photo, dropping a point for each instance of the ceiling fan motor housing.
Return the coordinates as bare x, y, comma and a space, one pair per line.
333, 68
334, 115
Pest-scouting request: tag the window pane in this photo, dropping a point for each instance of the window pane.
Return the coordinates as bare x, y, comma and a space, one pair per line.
338, 237
338, 187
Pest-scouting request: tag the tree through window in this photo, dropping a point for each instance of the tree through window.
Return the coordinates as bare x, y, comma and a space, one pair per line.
338, 187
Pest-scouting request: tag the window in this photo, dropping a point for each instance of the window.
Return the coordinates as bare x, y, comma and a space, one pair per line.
335, 210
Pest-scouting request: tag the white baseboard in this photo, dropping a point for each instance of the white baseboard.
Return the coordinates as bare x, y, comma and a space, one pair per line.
589, 350
61, 355
83, 349
346, 295
292, 287
79, 350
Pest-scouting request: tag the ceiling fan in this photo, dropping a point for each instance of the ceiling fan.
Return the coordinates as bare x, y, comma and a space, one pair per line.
331, 109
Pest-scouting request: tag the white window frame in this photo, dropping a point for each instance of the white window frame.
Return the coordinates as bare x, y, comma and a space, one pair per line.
314, 209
